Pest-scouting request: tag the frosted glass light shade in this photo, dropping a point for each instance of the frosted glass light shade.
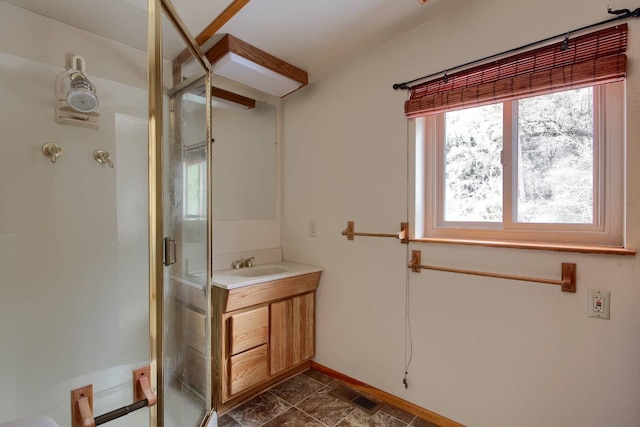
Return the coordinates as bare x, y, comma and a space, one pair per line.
235, 67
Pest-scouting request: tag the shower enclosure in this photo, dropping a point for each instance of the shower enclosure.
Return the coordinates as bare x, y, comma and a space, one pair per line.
92, 208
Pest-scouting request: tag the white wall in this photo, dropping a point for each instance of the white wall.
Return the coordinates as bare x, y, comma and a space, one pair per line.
73, 235
486, 352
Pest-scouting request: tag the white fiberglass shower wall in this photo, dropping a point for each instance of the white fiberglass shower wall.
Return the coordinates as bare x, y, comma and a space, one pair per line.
74, 234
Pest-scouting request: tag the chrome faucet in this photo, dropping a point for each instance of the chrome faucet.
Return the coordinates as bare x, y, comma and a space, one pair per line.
242, 263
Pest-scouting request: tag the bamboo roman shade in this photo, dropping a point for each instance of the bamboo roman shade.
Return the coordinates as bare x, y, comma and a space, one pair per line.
594, 58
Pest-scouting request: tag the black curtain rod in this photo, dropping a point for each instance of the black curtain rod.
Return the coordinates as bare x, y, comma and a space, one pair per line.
621, 14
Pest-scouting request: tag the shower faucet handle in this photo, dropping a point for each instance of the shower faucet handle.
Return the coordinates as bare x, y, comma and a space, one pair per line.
102, 157
51, 151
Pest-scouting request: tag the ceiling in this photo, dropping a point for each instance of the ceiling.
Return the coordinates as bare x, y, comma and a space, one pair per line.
315, 35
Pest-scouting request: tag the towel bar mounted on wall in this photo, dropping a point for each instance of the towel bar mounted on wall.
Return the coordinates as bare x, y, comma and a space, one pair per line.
82, 401
567, 283
403, 235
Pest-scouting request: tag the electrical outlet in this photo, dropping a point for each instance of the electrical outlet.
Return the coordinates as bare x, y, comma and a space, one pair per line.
599, 303
313, 232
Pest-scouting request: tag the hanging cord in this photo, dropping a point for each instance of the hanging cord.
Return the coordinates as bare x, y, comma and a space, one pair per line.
620, 14
408, 339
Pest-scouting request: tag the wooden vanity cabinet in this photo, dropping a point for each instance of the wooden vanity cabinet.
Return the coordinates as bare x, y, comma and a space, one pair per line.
267, 334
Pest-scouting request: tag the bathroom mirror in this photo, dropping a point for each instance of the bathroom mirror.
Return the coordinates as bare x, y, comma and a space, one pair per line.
244, 158
244, 161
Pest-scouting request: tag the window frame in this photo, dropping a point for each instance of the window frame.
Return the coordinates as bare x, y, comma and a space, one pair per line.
609, 153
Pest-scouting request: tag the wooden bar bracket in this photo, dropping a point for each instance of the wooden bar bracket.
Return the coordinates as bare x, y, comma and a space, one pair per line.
567, 283
403, 234
568, 277
349, 232
415, 264
82, 407
142, 385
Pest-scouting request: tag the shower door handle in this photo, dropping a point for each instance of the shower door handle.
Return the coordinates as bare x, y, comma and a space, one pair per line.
169, 251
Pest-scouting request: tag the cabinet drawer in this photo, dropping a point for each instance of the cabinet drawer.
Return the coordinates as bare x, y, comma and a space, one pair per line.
195, 329
247, 369
248, 330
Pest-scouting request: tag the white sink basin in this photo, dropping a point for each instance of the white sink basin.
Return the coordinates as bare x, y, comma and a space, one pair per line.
266, 270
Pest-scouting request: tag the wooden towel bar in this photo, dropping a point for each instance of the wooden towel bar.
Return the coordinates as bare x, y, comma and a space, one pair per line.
567, 283
403, 235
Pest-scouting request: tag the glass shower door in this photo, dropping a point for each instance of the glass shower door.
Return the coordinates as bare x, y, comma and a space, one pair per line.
186, 297
187, 360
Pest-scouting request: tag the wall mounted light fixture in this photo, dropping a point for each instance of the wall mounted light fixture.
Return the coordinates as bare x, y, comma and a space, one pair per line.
241, 62
76, 98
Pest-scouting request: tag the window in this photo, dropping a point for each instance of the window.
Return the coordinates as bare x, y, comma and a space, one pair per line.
547, 168
526, 148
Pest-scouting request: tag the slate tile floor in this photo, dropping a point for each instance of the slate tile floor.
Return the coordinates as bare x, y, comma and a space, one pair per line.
304, 400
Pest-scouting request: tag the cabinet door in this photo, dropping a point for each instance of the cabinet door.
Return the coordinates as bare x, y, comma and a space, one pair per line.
292, 330
280, 333
303, 335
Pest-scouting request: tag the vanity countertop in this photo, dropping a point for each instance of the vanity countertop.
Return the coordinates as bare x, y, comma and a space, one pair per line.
231, 278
